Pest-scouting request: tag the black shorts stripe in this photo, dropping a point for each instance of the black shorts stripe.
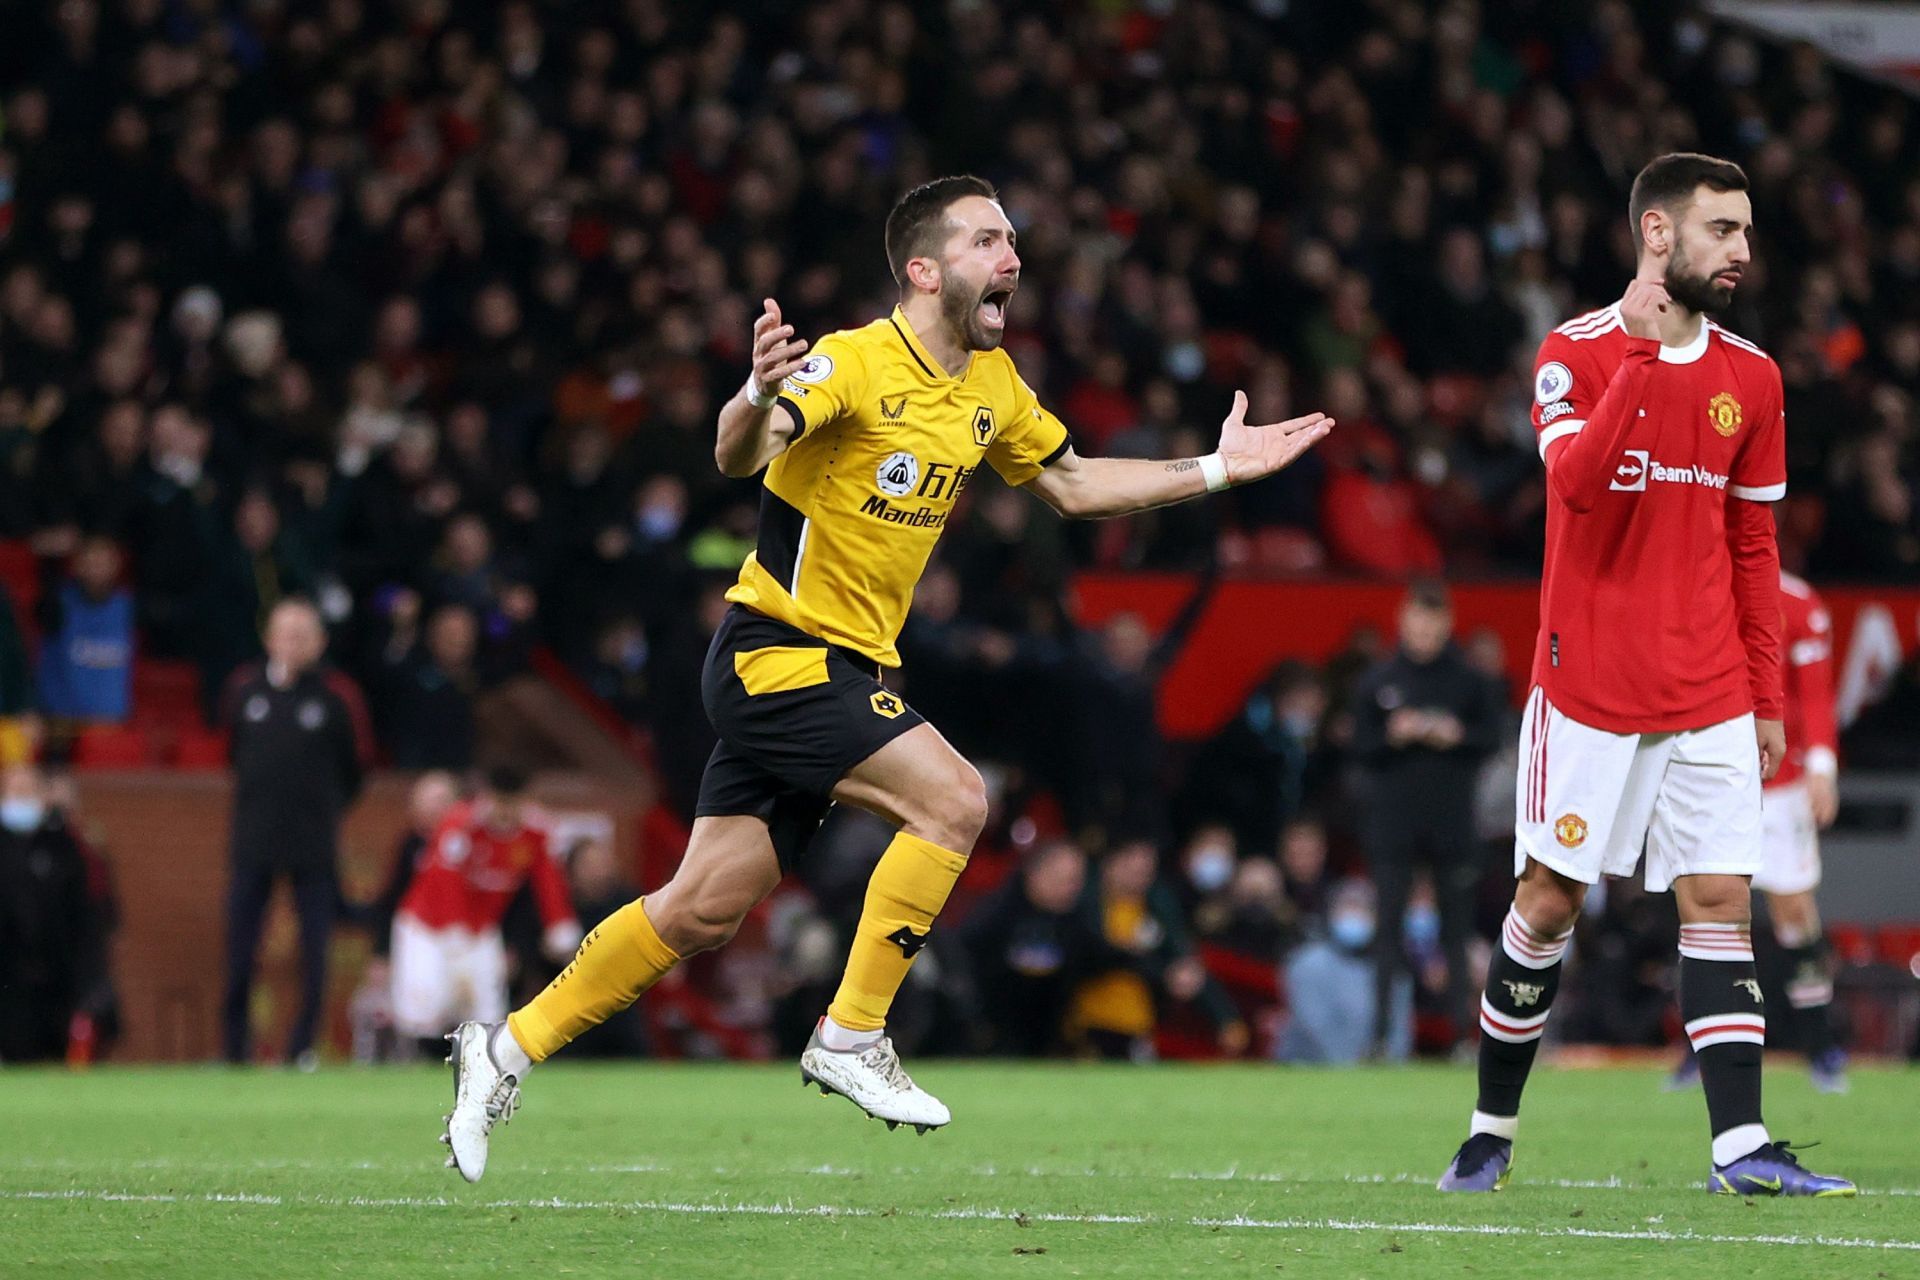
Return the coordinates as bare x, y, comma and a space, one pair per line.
779, 546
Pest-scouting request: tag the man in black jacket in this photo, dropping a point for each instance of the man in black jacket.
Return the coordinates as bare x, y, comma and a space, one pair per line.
1422, 722
299, 746
56, 919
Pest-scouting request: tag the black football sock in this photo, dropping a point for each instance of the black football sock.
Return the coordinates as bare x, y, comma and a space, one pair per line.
1810, 993
1720, 1001
1521, 981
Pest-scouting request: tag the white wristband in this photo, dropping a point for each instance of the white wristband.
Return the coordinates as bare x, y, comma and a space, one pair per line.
1213, 469
754, 398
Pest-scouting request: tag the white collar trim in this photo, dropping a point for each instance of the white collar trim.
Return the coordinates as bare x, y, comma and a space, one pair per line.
1689, 352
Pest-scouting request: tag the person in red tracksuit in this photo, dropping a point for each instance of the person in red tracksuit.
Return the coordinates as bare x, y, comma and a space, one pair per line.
449, 961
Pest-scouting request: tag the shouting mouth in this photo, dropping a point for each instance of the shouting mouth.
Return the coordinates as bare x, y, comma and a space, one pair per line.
993, 308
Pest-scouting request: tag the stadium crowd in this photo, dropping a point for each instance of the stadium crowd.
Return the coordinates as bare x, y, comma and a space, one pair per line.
425, 310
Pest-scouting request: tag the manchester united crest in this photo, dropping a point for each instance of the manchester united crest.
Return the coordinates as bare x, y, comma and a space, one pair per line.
1723, 411
1570, 830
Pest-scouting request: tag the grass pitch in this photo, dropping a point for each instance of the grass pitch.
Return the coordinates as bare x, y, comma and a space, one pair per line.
1058, 1170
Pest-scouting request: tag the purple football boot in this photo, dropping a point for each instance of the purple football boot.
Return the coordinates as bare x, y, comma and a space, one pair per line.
1482, 1164
1773, 1170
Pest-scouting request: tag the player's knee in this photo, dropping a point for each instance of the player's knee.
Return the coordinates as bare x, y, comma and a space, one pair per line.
699, 929
1549, 903
694, 922
1548, 917
962, 811
1714, 899
1796, 922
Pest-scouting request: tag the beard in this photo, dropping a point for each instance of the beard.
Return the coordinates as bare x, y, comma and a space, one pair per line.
1696, 293
960, 309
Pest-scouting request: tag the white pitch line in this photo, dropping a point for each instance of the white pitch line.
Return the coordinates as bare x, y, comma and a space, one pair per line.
1228, 1175
790, 1210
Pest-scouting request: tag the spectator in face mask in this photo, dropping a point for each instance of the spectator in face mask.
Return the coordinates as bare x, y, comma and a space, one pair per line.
1255, 774
55, 922
617, 672
1206, 866
1303, 865
1330, 990
1259, 920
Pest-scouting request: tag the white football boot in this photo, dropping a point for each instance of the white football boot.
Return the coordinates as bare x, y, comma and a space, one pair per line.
872, 1080
483, 1096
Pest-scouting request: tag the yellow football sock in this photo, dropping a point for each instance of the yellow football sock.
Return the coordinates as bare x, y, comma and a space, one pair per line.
621, 958
907, 890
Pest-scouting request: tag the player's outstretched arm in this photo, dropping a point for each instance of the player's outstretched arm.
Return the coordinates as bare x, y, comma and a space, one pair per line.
1092, 488
751, 433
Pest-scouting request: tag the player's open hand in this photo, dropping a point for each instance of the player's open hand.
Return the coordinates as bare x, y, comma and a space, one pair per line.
776, 352
1772, 736
1645, 304
1252, 450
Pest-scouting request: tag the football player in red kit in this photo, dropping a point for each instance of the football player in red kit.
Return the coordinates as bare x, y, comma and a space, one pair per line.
449, 962
1656, 707
1801, 801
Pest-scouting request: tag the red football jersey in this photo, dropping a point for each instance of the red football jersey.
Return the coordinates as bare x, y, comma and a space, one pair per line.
1813, 728
1659, 600
471, 874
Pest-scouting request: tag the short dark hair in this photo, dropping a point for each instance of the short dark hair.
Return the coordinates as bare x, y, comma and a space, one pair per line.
917, 224
1673, 178
1429, 593
507, 780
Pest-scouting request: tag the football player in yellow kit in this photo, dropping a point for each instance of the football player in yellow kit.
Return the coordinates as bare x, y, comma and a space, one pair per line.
867, 439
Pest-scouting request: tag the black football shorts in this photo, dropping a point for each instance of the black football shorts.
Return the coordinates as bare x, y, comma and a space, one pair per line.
794, 714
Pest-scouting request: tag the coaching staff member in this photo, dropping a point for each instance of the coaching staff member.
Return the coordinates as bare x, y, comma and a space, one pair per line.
1423, 720
300, 742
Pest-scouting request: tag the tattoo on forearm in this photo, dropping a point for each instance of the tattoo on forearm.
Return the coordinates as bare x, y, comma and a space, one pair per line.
1184, 464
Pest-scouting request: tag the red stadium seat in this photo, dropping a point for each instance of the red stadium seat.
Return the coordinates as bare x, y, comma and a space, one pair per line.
166, 691
1851, 943
1287, 551
200, 749
112, 746
1899, 944
20, 570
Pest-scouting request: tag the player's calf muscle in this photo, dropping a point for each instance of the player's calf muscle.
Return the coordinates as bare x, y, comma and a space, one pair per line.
692, 928
728, 868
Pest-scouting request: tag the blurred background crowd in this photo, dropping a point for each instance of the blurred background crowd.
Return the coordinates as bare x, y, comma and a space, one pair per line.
424, 311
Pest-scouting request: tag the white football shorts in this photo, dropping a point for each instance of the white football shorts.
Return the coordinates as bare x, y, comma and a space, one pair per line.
1790, 843
443, 977
1590, 801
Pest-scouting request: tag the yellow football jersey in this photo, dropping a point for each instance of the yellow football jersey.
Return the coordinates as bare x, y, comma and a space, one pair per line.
885, 441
